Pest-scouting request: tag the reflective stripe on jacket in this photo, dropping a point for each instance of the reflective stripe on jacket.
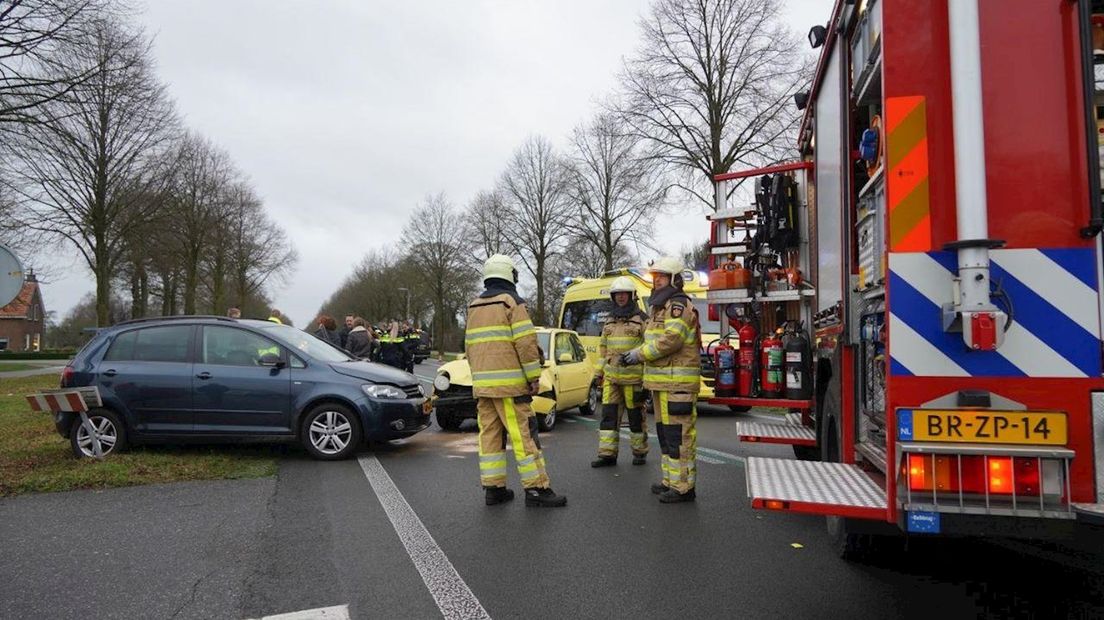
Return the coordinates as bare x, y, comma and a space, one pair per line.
621, 334
501, 346
671, 343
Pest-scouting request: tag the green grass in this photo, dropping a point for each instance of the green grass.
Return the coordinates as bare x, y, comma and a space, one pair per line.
34, 458
11, 366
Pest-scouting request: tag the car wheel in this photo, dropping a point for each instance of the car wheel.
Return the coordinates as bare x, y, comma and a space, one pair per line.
547, 421
446, 420
594, 400
330, 432
107, 430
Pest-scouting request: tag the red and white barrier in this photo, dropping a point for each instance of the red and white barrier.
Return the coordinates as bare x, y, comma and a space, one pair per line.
70, 401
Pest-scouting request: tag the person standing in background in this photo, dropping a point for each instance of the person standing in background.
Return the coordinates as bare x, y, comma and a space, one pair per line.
343, 335
234, 313
359, 343
327, 330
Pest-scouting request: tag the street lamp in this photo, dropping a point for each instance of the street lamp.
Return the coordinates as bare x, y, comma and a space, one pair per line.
406, 317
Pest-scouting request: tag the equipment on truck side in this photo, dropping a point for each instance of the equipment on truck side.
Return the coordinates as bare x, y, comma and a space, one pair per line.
770, 382
798, 362
746, 358
724, 361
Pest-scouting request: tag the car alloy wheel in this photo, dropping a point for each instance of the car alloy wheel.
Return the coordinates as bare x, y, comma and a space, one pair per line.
547, 421
104, 432
330, 432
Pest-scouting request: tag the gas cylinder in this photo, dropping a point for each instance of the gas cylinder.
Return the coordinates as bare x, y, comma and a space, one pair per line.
721, 277
739, 277
724, 361
798, 363
746, 359
770, 363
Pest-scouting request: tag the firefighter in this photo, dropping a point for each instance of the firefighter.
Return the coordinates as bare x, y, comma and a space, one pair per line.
621, 385
672, 371
501, 345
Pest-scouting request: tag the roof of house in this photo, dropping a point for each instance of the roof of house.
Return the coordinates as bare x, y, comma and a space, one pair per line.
20, 307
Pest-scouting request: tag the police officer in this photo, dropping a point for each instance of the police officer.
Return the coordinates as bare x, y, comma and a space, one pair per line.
672, 371
410, 346
392, 349
501, 345
621, 390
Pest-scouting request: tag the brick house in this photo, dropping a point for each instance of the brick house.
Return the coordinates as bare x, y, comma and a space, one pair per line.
23, 321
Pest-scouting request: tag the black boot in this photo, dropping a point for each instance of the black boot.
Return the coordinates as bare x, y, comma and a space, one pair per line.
671, 496
498, 495
639, 460
658, 487
544, 498
604, 461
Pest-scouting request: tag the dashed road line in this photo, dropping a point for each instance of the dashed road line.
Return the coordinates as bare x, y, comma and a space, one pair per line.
337, 612
454, 598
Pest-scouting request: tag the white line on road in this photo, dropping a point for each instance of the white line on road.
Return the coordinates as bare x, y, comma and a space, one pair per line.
452, 595
722, 455
337, 612
711, 461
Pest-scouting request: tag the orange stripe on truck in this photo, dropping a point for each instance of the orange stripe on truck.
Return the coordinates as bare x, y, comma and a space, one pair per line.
907, 174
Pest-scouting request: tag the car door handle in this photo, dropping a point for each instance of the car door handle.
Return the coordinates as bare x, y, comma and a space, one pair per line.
110, 372
204, 375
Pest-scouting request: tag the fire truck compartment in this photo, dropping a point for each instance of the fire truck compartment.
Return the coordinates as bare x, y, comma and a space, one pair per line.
839, 489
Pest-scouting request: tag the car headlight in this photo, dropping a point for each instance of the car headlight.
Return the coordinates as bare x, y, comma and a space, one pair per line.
383, 391
442, 382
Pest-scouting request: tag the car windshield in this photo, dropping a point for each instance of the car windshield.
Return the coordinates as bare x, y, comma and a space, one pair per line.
542, 342
305, 344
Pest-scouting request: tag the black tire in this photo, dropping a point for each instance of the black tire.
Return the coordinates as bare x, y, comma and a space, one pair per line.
594, 400
447, 420
739, 408
331, 418
109, 428
546, 422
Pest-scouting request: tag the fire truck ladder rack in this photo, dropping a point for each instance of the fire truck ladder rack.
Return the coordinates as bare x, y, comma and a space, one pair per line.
839, 489
790, 432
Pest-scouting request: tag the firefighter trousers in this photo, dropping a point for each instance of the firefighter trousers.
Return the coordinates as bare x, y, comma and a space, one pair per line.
616, 401
499, 417
676, 419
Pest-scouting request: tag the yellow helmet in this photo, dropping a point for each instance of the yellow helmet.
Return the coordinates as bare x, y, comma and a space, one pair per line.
500, 266
622, 285
666, 264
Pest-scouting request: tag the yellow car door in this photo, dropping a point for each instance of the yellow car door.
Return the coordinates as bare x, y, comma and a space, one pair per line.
573, 371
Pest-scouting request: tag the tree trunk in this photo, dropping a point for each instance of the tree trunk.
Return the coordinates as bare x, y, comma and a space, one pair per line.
538, 318
191, 283
103, 294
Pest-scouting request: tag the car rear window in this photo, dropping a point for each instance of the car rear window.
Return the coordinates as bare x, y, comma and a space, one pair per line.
151, 344
585, 317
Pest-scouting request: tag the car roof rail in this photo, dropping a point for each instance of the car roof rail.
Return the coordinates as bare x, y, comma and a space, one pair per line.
178, 317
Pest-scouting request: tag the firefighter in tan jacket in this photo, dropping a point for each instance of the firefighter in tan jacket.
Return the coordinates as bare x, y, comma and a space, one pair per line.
622, 389
501, 346
672, 371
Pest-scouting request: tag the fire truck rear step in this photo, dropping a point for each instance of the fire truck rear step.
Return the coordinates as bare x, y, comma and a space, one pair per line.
839, 489
790, 432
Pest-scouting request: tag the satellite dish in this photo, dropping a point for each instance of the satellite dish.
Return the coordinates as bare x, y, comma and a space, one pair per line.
11, 276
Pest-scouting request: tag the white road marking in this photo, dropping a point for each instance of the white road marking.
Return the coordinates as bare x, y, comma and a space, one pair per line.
448, 589
337, 612
722, 455
711, 461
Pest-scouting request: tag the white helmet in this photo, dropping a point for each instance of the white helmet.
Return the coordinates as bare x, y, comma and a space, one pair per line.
500, 266
666, 264
622, 285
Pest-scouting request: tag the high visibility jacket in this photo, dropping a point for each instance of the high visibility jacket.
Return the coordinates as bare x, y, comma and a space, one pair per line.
501, 346
670, 351
621, 334
392, 351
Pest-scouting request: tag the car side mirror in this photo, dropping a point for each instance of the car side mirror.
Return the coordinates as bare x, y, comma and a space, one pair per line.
566, 357
272, 359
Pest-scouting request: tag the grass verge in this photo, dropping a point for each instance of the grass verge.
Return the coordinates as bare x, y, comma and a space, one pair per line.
34, 458
12, 366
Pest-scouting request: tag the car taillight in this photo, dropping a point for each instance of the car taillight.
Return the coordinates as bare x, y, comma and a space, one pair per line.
66, 375
997, 475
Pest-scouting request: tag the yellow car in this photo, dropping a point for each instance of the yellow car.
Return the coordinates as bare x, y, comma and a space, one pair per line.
586, 304
565, 383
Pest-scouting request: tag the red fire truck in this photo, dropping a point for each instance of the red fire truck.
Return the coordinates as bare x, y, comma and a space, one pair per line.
937, 242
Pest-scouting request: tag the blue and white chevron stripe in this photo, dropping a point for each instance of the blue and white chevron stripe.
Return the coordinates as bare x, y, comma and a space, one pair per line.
1055, 330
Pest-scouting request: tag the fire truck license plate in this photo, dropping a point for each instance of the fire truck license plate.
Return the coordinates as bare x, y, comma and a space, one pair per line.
1017, 427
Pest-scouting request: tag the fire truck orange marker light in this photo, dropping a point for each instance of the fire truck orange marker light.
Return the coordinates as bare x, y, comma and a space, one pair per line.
775, 504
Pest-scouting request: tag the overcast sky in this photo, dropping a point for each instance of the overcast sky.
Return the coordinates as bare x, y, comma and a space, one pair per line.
346, 114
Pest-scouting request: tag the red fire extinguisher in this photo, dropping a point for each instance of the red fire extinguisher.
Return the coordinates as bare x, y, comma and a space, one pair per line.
770, 382
724, 364
746, 359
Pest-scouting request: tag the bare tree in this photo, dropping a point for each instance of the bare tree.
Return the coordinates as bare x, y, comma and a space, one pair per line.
713, 86
535, 188
487, 219
260, 255
82, 172
441, 250
31, 32
616, 191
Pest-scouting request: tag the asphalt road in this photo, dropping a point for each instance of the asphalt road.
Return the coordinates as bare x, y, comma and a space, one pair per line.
402, 532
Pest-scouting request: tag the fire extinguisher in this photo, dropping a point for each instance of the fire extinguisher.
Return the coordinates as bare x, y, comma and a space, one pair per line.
798, 362
747, 334
724, 361
770, 382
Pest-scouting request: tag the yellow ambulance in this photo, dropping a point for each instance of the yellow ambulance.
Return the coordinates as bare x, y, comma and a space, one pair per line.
586, 304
